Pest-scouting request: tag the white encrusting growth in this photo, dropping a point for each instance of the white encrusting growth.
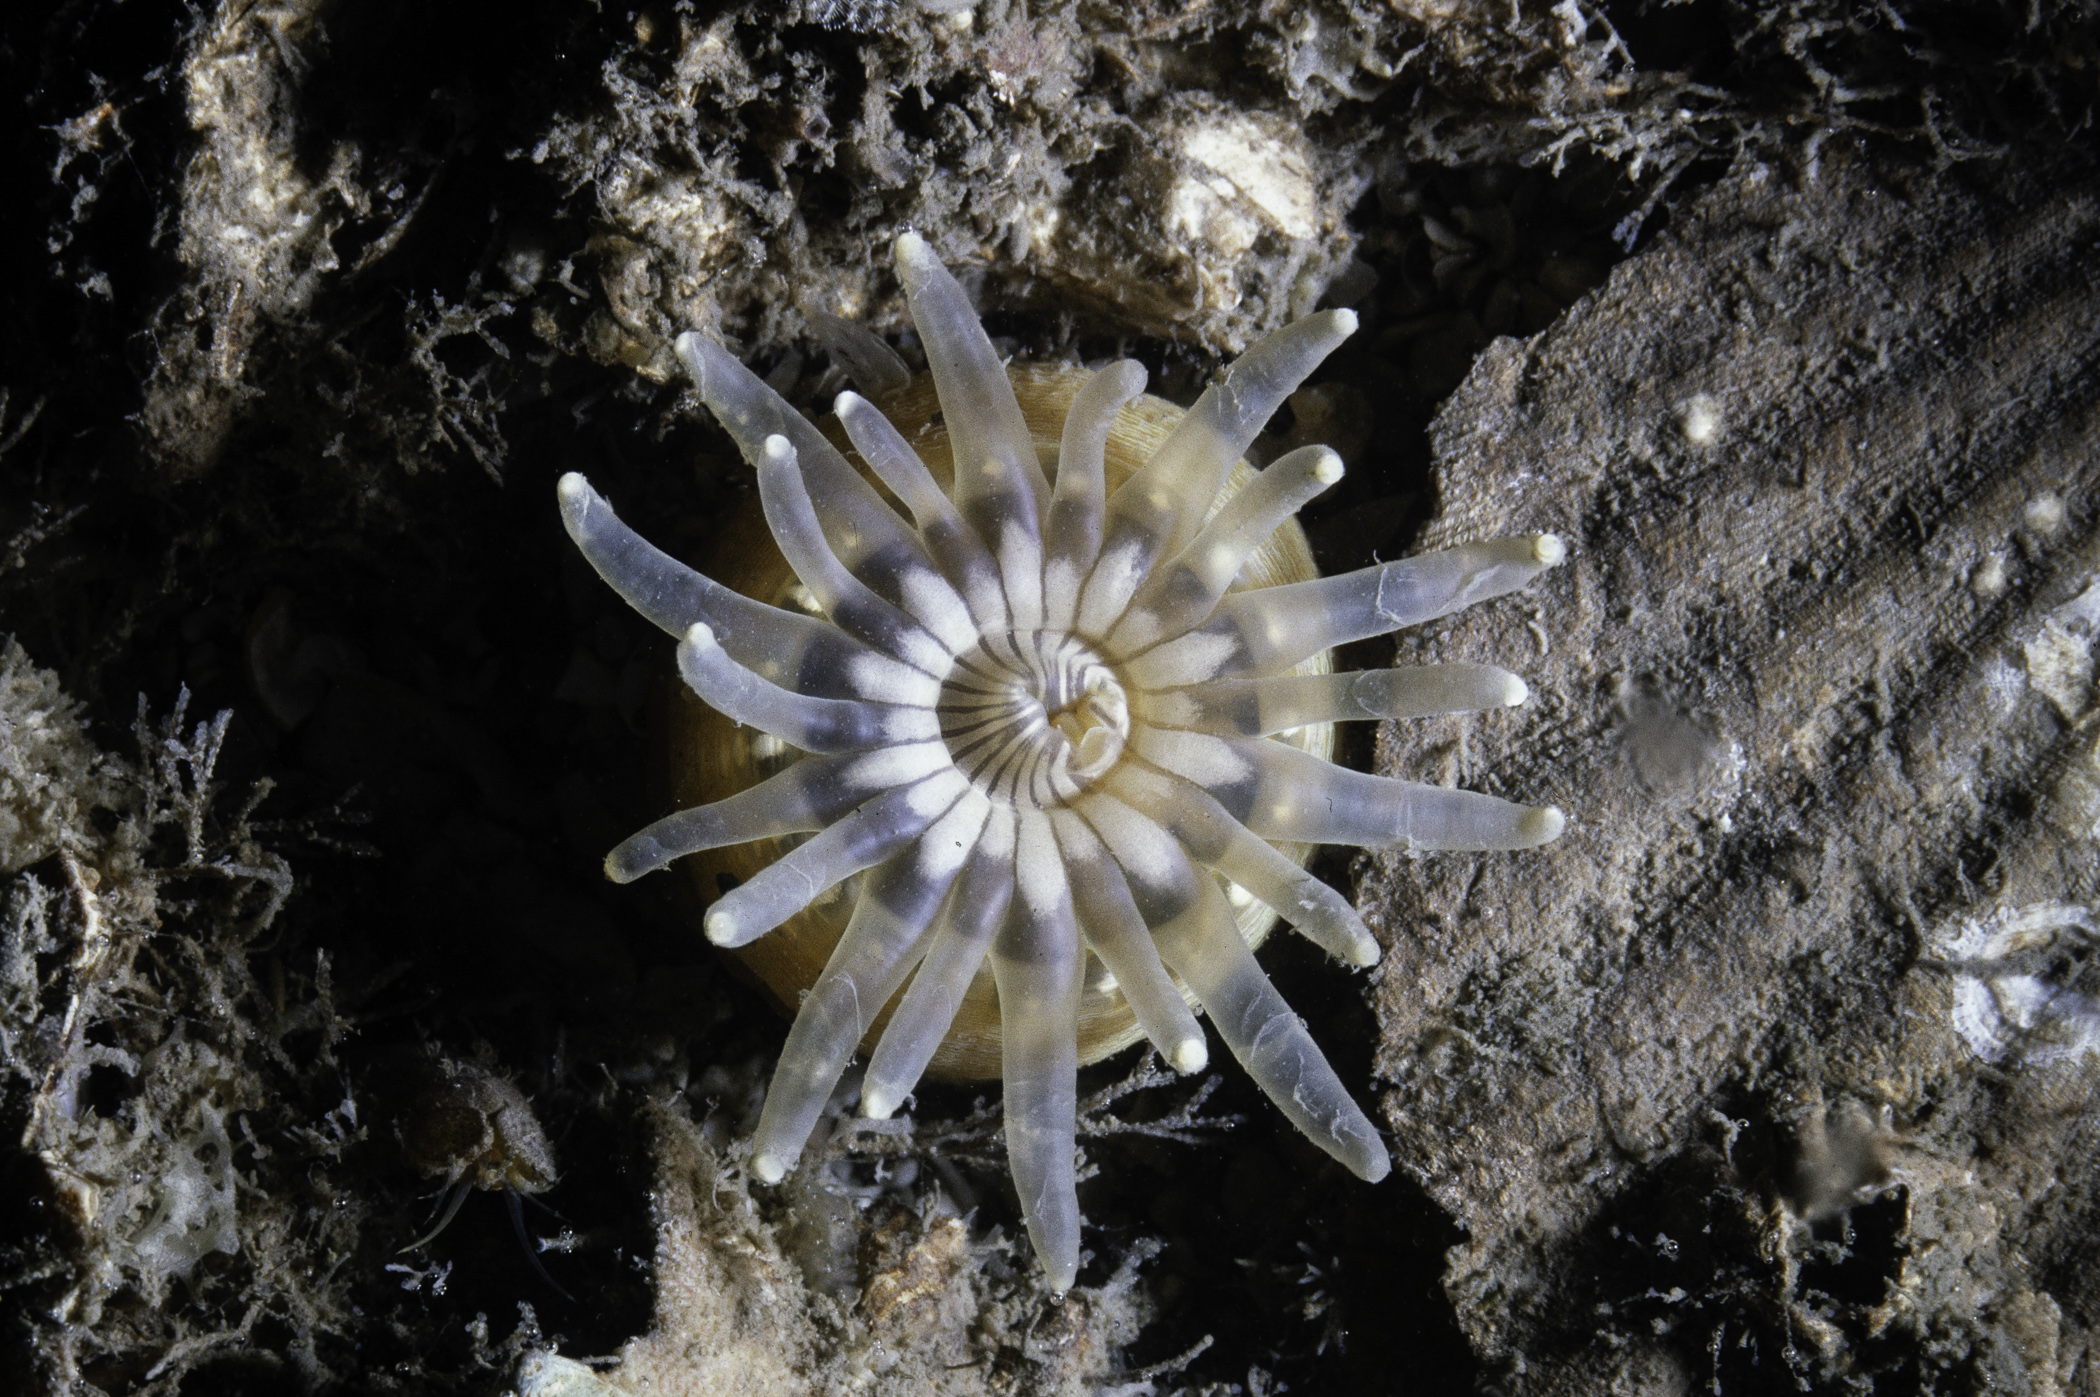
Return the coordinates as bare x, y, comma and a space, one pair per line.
1039, 723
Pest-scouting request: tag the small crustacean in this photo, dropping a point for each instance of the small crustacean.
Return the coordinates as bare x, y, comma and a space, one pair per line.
473, 1129
1051, 724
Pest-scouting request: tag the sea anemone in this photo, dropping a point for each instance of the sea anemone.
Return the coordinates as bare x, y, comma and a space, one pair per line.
1043, 731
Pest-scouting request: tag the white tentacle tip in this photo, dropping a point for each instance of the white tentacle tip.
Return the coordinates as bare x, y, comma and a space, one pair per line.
691, 349
1515, 692
1131, 376
1327, 469
1061, 1274
779, 450
720, 926
1363, 953
769, 1168
573, 490
1549, 550
878, 1103
1344, 322
913, 254
1190, 1055
1543, 824
699, 636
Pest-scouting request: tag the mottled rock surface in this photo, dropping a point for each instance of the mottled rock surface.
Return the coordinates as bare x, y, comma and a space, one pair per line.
1778, 1062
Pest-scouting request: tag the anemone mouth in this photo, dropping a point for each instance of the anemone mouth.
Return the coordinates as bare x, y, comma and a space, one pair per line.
1033, 718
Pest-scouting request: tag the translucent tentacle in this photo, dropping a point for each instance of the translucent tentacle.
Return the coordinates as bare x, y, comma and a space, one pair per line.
953, 545
774, 643
1020, 555
1143, 839
857, 521
860, 840
1116, 931
1159, 509
1214, 763
1204, 948
813, 724
1270, 629
806, 796
1285, 793
1183, 593
866, 357
881, 944
1072, 537
895, 464
1260, 707
1214, 838
845, 598
997, 475
962, 935
999, 485
1039, 964
1317, 912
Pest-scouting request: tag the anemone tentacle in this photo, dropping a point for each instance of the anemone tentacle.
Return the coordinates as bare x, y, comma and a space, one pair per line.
1076, 508
1159, 509
818, 658
1264, 707
882, 944
1042, 730
807, 796
961, 939
858, 522
952, 544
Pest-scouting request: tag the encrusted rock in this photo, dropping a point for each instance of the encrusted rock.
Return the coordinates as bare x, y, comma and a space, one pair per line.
1814, 692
